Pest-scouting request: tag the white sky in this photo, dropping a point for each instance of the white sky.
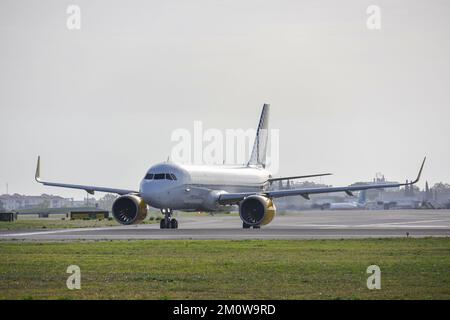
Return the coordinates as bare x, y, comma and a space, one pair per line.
99, 104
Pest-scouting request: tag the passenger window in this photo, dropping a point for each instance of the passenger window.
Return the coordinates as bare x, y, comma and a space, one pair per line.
173, 176
159, 176
168, 177
149, 176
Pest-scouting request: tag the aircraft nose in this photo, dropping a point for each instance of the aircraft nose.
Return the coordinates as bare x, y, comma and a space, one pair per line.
148, 192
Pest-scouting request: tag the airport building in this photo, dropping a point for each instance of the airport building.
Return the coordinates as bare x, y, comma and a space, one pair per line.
17, 201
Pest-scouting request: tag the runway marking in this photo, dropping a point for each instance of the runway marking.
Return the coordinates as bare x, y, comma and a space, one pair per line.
377, 225
60, 231
405, 224
241, 237
347, 226
318, 226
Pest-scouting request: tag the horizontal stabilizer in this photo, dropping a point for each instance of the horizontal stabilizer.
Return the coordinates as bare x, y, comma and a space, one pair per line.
299, 177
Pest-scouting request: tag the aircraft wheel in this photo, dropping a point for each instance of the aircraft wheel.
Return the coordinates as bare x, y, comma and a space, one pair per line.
245, 226
162, 224
173, 224
256, 227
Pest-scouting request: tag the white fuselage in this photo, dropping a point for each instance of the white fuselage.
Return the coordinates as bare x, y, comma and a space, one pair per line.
196, 187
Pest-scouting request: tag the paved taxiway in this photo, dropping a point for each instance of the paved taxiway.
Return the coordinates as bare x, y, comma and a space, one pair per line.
303, 225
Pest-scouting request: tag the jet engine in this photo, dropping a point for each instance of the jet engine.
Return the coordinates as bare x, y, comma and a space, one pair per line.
129, 209
257, 210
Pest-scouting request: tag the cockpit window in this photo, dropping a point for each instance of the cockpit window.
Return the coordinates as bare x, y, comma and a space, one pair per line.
160, 176
149, 176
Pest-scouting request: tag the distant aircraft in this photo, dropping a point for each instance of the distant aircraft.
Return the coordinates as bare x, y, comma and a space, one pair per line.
360, 204
170, 186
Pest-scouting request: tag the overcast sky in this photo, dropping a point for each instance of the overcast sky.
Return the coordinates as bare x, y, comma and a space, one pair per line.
99, 104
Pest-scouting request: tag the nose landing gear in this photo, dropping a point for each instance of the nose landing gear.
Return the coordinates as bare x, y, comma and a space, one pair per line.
168, 222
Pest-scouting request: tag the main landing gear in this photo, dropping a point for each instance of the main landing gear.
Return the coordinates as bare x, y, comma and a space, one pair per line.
168, 222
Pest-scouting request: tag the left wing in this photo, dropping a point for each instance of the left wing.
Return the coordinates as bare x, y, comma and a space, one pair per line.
88, 189
298, 177
234, 198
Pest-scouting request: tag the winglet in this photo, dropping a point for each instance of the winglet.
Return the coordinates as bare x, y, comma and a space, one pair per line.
38, 170
420, 172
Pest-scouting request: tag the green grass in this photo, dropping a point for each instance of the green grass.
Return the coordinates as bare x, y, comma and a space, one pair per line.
36, 224
271, 269
46, 223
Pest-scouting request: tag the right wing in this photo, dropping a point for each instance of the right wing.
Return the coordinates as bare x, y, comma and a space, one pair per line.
235, 198
89, 189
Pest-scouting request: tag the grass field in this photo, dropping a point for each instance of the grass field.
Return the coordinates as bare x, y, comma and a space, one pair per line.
50, 223
36, 224
315, 269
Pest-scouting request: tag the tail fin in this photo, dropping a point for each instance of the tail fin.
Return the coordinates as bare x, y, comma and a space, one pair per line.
362, 197
258, 156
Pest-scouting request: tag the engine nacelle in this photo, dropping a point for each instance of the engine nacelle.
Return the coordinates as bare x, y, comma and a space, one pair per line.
257, 210
129, 209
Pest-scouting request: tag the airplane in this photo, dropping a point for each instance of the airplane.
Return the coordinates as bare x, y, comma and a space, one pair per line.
360, 204
172, 186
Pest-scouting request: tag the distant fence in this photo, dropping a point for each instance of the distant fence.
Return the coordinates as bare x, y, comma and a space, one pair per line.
8, 216
88, 215
49, 212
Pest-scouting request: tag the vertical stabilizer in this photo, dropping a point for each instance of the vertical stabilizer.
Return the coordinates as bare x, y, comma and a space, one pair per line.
362, 197
258, 156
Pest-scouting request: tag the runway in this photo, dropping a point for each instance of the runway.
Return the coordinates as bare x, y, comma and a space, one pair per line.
303, 225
